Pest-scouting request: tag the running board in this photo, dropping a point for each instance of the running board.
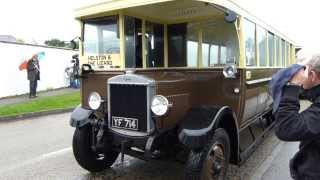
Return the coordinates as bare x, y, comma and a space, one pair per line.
256, 132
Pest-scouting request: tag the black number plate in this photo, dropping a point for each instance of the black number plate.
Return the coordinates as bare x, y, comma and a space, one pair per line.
124, 123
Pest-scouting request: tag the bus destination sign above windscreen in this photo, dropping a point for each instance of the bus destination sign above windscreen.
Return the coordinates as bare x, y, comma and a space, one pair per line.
105, 61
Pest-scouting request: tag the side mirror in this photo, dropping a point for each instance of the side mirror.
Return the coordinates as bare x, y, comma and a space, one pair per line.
230, 17
230, 71
74, 44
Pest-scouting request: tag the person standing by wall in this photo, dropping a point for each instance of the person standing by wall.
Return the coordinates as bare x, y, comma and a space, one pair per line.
33, 70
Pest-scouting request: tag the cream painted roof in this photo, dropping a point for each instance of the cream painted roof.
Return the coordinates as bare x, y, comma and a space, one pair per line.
114, 5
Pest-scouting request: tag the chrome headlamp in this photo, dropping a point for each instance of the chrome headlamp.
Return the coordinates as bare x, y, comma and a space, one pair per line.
94, 100
159, 105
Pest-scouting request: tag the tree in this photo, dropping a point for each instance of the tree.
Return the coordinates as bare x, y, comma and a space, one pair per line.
55, 43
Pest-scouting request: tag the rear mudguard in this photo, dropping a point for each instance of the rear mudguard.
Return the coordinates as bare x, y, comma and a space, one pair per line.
80, 117
199, 122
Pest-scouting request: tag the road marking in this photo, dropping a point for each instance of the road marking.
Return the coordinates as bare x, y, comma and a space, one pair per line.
36, 160
56, 153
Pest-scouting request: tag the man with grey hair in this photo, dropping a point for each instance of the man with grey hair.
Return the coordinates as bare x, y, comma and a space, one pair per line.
304, 126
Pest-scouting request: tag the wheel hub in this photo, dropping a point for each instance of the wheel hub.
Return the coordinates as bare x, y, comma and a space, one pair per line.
215, 163
216, 169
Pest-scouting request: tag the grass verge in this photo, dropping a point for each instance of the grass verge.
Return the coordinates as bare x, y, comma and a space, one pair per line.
42, 104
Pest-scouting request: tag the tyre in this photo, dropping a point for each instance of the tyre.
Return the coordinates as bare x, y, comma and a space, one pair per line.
211, 162
85, 156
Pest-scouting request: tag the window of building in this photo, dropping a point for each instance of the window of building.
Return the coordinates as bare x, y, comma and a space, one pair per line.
271, 49
262, 45
249, 40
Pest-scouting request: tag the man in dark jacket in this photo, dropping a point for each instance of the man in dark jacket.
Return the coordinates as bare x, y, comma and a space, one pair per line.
33, 69
304, 126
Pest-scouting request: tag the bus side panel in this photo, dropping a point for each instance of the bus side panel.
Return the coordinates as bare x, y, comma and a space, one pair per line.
95, 82
257, 99
187, 88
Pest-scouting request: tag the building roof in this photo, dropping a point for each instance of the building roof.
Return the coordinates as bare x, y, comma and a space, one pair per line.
8, 38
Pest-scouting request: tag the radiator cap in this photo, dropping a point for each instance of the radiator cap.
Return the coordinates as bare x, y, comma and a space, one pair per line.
130, 71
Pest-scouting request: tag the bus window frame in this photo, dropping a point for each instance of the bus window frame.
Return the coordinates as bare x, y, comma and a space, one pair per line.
165, 24
144, 19
258, 47
276, 38
244, 41
99, 19
220, 46
238, 25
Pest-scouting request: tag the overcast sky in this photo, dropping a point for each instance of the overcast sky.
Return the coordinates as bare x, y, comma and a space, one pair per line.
40, 20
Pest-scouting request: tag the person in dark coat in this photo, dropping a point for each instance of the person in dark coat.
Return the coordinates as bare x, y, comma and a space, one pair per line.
33, 70
304, 126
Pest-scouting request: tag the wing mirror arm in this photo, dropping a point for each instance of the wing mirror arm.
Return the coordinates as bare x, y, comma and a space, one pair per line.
73, 42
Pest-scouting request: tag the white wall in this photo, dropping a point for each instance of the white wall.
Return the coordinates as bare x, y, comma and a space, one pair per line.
15, 82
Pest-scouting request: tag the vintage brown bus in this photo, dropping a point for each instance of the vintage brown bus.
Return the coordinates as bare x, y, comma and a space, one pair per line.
161, 78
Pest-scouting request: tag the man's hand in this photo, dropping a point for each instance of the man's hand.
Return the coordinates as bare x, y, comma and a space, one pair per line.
301, 77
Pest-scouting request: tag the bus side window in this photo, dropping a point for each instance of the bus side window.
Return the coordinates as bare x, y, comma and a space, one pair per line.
154, 44
133, 38
176, 45
271, 49
283, 52
183, 45
250, 46
262, 45
277, 55
101, 36
288, 59
218, 43
214, 54
192, 44
223, 55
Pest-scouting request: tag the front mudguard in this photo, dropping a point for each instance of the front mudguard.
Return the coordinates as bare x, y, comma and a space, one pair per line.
80, 117
197, 126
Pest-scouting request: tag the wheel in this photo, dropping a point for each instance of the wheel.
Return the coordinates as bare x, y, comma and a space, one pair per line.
211, 162
85, 156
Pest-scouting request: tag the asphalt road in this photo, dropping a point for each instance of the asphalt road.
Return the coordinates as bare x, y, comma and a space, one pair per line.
40, 148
